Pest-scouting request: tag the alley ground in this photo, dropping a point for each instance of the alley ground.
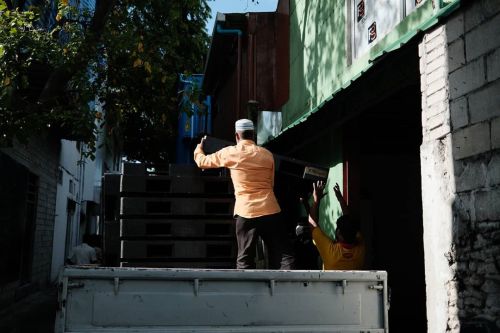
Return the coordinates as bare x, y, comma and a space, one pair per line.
34, 314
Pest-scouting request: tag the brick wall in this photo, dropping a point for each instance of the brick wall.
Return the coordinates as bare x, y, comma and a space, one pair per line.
474, 80
460, 67
437, 180
41, 157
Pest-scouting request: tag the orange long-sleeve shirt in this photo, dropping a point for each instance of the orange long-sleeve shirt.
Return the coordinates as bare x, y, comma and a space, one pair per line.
252, 173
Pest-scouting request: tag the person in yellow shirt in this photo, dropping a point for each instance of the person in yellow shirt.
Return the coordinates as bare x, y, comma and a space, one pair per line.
347, 250
256, 209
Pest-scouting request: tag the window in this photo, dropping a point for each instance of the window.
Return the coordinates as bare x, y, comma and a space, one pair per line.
372, 20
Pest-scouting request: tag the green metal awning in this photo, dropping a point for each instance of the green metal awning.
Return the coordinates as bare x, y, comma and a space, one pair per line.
445, 11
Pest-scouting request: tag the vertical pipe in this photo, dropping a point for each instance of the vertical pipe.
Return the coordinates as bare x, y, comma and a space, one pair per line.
220, 30
238, 78
254, 68
250, 66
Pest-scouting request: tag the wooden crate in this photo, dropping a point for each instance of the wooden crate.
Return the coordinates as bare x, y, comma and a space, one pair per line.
148, 249
176, 227
176, 206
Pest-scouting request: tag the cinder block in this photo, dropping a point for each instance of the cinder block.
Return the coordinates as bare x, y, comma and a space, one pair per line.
435, 32
456, 55
439, 132
438, 41
483, 39
436, 121
435, 86
145, 183
455, 26
421, 50
430, 111
459, 113
485, 103
187, 184
471, 176
176, 184
185, 170
493, 300
493, 65
471, 141
486, 205
495, 133
467, 78
479, 11
207, 185
436, 54
436, 63
437, 97
134, 169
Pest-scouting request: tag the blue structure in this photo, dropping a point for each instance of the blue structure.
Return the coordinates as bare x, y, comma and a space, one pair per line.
194, 122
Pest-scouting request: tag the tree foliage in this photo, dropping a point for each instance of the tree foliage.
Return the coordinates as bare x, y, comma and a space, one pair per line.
125, 55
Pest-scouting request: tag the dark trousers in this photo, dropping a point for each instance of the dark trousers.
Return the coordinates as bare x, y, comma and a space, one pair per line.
272, 231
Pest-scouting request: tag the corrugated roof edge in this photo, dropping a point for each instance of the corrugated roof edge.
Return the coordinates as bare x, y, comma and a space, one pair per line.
443, 12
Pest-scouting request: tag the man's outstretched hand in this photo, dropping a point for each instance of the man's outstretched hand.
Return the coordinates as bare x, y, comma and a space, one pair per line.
340, 198
336, 189
318, 191
202, 142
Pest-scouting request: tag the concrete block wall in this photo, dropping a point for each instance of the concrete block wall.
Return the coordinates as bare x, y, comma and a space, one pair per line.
460, 158
41, 156
475, 88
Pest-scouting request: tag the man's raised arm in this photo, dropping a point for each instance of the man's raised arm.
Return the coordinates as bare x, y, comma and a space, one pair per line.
215, 160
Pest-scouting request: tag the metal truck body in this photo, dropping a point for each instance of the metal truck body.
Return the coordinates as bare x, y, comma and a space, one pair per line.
196, 300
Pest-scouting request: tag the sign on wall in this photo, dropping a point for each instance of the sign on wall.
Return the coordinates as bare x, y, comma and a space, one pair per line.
371, 20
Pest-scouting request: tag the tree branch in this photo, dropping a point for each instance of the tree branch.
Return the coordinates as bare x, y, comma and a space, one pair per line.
58, 80
9, 4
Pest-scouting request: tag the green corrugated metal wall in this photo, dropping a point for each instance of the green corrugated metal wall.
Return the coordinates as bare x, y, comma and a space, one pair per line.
319, 69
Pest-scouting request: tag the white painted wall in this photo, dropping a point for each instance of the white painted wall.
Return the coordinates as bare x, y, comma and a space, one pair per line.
86, 177
69, 168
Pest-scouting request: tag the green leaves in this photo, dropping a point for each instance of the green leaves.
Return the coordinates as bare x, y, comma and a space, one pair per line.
147, 45
28, 54
131, 67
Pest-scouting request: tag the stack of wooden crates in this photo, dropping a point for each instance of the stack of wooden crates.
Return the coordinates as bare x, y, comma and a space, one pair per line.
178, 216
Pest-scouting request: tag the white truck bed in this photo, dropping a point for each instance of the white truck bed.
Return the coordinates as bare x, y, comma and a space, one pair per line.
192, 300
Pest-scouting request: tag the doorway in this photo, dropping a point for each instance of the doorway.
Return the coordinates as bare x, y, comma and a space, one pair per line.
382, 174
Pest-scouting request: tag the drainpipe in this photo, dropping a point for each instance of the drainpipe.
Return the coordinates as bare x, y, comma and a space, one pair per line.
222, 31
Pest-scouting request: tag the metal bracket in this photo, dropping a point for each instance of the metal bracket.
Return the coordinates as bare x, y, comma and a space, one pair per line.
75, 285
344, 285
196, 285
117, 285
376, 287
272, 285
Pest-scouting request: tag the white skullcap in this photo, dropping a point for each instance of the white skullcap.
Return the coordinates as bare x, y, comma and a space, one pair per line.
243, 125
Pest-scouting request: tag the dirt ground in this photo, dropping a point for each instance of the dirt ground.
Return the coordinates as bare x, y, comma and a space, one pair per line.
34, 314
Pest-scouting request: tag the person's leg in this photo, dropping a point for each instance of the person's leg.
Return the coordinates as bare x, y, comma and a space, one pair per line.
272, 230
246, 237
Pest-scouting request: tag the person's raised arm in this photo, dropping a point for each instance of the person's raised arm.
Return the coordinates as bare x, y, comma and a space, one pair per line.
313, 210
215, 160
340, 198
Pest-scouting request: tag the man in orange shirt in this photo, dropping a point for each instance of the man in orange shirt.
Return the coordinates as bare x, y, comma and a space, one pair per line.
347, 251
256, 209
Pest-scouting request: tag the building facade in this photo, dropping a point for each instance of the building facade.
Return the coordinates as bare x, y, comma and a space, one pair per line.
246, 72
50, 196
28, 198
408, 123
399, 98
